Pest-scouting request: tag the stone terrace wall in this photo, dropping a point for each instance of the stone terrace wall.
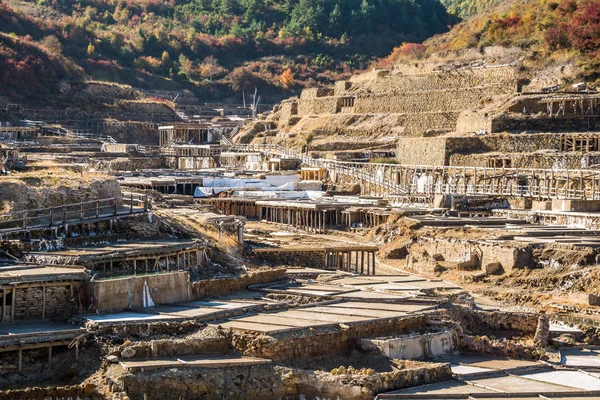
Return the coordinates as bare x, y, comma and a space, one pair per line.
334, 340
508, 254
543, 123
288, 110
177, 347
434, 150
470, 121
527, 160
425, 101
322, 105
233, 383
471, 150
220, 287
418, 124
313, 93
28, 302
83, 392
484, 322
504, 77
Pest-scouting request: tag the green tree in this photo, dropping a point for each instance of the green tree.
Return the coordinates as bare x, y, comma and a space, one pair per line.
307, 14
336, 20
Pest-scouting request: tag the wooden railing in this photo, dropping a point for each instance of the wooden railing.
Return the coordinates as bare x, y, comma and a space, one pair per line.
424, 180
128, 204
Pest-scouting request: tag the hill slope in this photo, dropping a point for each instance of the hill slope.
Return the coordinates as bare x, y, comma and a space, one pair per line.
216, 48
558, 40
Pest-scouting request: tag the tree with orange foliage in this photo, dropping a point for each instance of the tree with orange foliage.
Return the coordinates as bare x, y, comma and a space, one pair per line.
287, 78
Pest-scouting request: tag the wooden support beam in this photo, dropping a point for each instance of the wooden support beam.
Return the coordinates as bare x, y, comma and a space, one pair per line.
20, 362
12, 308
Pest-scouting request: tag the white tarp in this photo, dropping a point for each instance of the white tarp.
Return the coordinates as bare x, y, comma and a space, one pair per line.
274, 183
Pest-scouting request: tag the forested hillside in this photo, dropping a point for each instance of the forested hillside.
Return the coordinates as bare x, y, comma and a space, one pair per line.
548, 33
468, 8
214, 47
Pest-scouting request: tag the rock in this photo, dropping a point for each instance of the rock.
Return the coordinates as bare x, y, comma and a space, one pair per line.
594, 300
438, 257
128, 352
493, 268
112, 359
439, 268
542, 332
89, 388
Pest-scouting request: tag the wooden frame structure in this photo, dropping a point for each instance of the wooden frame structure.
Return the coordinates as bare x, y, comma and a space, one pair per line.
416, 181
133, 257
353, 259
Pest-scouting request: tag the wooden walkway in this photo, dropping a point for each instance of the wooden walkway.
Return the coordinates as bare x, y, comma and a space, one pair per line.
72, 214
414, 181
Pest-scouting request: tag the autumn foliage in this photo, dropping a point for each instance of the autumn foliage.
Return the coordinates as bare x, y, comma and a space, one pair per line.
545, 28
287, 78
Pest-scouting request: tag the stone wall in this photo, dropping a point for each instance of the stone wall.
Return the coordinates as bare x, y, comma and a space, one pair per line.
83, 392
140, 291
325, 385
419, 124
150, 107
475, 150
323, 105
289, 109
313, 93
272, 382
304, 259
544, 123
473, 121
427, 101
28, 302
433, 150
224, 286
486, 322
242, 382
504, 77
142, 330
509, 254
414, 346
319, 342
528, 160
175, 347
421, 151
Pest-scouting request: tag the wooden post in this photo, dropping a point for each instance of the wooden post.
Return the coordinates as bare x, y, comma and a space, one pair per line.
50, 355
373, 267
20, 362
81, 211
3, 305
12, 308
43, 301
131, 204
362, 262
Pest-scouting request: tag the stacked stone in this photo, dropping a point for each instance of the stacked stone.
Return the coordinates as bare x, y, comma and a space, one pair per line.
58, 301
219, 287
28, 302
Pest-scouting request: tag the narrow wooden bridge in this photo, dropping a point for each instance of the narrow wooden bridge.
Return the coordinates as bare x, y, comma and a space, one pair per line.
71, 217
